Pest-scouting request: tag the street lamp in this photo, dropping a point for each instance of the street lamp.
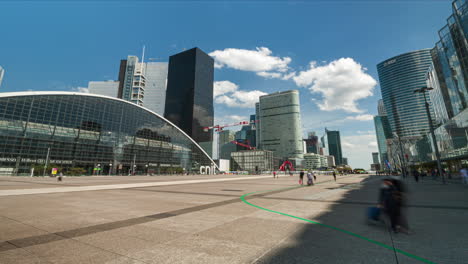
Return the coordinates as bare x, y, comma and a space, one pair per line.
110, 168
431, 129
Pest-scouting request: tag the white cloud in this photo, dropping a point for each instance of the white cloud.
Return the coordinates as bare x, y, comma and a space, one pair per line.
223, 87
80, 89
341, 83
226, 92
259, 60
228, 119
361, 117
243, 99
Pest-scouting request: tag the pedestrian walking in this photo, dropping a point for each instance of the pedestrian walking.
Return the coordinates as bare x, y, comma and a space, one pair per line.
274, 174
464, 175
301, 177
416, 175
388, 201
334, 175
310, 180
59, 178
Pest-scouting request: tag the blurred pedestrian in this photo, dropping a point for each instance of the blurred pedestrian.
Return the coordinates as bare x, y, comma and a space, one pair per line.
416, 175
301, 177
310, 180
274, 174
388, 201
464, 175
334, 175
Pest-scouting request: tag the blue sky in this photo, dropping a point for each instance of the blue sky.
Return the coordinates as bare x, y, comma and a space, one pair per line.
62, 46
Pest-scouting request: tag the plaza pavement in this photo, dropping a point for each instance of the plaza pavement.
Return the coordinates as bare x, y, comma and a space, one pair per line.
201, 219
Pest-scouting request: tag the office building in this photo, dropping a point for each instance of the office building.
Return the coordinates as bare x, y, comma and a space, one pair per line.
132, 80
383, 132
258, 127
81, 132
330, 161
375, 158
399, 76
189, 95
225, 146
253, 161
2, 73
312, 143
313, 161
280, 124
449, 78
107, 88
381, 108
345, 161
334, 145
155, 89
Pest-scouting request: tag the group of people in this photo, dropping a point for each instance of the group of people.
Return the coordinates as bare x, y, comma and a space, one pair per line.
311, 177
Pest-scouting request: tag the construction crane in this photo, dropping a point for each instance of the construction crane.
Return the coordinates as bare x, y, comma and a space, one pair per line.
218, 128
243, 145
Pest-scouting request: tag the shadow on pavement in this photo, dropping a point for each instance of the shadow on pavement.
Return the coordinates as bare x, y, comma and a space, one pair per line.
437, 215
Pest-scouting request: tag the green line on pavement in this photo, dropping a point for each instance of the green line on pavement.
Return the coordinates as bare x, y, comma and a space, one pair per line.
331, 227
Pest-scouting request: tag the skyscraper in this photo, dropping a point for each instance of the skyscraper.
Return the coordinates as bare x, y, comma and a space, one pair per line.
155, 89
280, 124
108, 88
382, 132
399, 76
189, 95
132, 80
334, 145
312, 143
375, 158
381, 108
258, 133
2, 72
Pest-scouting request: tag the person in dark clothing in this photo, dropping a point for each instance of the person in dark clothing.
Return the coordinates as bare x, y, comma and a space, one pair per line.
416, 175
334, 175
301, 177
388, 201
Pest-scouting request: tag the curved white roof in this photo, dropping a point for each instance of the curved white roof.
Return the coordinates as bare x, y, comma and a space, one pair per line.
32, 93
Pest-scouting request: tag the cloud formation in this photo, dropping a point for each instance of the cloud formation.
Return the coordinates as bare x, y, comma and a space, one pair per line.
226, 92
223, 87
259, 61
80, 89
365, 117
341, 83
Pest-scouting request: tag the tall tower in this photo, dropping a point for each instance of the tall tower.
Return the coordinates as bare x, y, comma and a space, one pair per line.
132, 80
2, 72
280, 124
399, 77
334, 145
189, 95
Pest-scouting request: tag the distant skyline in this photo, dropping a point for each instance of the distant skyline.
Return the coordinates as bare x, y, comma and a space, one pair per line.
326, 50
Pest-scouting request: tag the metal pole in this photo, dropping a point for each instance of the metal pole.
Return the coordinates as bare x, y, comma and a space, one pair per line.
436, 148
46, 161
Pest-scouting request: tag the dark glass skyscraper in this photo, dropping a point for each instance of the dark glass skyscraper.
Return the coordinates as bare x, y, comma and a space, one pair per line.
189, 95
334, 146
399, 77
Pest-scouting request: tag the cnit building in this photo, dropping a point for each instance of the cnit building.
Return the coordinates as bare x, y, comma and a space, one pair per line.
87, 132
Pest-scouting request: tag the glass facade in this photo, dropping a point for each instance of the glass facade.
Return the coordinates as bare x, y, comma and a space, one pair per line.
399, 77
2, 73
334, 146
383, 132
252, 160
189, 95
107, 88
155, 89
71, 130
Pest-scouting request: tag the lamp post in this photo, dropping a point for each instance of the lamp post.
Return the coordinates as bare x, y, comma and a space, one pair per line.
431, 129
110, 168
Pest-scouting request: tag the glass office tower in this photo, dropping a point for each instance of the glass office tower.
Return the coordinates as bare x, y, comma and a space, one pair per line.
189, 95
399, 77
2, 73
383, 132
155, 89
85, 131
334, 146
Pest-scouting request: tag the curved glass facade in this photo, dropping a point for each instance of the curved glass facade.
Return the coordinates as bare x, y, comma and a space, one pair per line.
399, 77
92, 133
